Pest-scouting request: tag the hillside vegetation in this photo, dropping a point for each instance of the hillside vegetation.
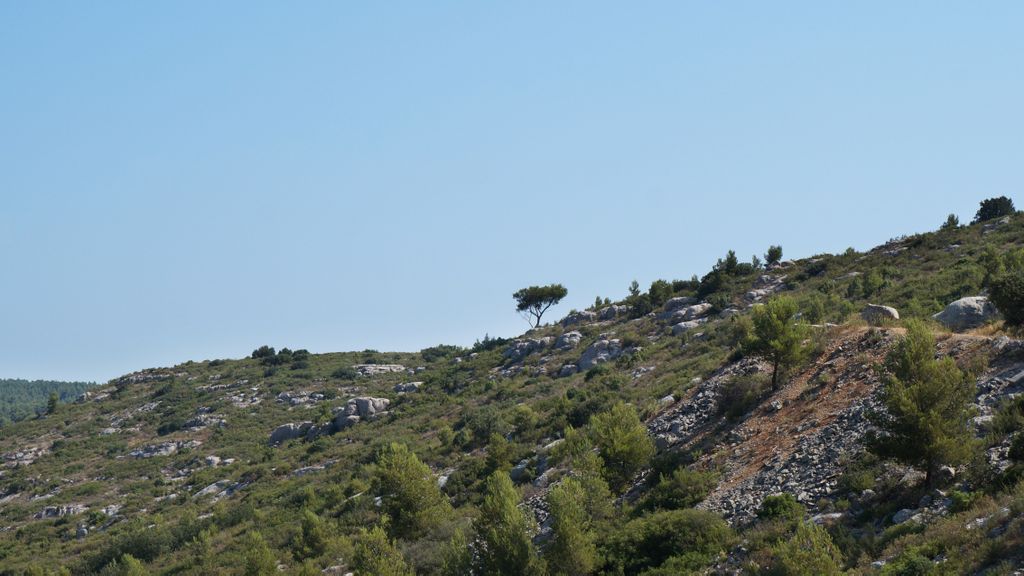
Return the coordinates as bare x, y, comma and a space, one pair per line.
754, 419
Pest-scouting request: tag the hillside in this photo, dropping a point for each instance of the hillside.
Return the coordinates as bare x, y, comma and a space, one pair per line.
283, 461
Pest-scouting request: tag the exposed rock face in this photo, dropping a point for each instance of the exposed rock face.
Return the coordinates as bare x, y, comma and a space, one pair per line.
584, 317
163, 449
569, 340
376, 369
601, 351
875, 314
289, 431
967, 313
520, 349
60, 511
407, 387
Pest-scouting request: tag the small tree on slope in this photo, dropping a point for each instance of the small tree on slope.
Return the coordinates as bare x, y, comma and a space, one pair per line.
777, 335
926, 422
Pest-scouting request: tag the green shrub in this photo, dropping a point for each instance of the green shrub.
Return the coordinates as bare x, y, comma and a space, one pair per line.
810, 552
684, 488
781, 507
649, 541
741, 394
1007, 292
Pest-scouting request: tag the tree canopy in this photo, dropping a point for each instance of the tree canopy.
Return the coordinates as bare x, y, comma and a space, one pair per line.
994, 208
534, 301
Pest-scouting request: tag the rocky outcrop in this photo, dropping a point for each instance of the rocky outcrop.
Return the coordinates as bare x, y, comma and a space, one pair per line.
360, 409
967, 313
601, 351
765, 286
60, 511
520, 349
300, 398
612, 312
569, 340
584, 317
377, 369
876, 315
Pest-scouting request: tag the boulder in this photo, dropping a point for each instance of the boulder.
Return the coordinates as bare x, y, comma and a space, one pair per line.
903, 515
875, 314
289, 431
342, 420
408, 387
367, 406
569, 340
945, 475
967, 313
682, 327
567, 370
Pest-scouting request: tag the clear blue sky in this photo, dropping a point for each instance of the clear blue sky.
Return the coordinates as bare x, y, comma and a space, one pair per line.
190, 180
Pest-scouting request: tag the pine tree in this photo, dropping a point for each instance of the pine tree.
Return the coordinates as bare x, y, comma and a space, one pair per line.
409, 493
926, 421
623, 443
259, 560
572, 551
376, 555
777, 335
504, 531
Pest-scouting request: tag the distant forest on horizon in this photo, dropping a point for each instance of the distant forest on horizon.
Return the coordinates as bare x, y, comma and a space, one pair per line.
20, 399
